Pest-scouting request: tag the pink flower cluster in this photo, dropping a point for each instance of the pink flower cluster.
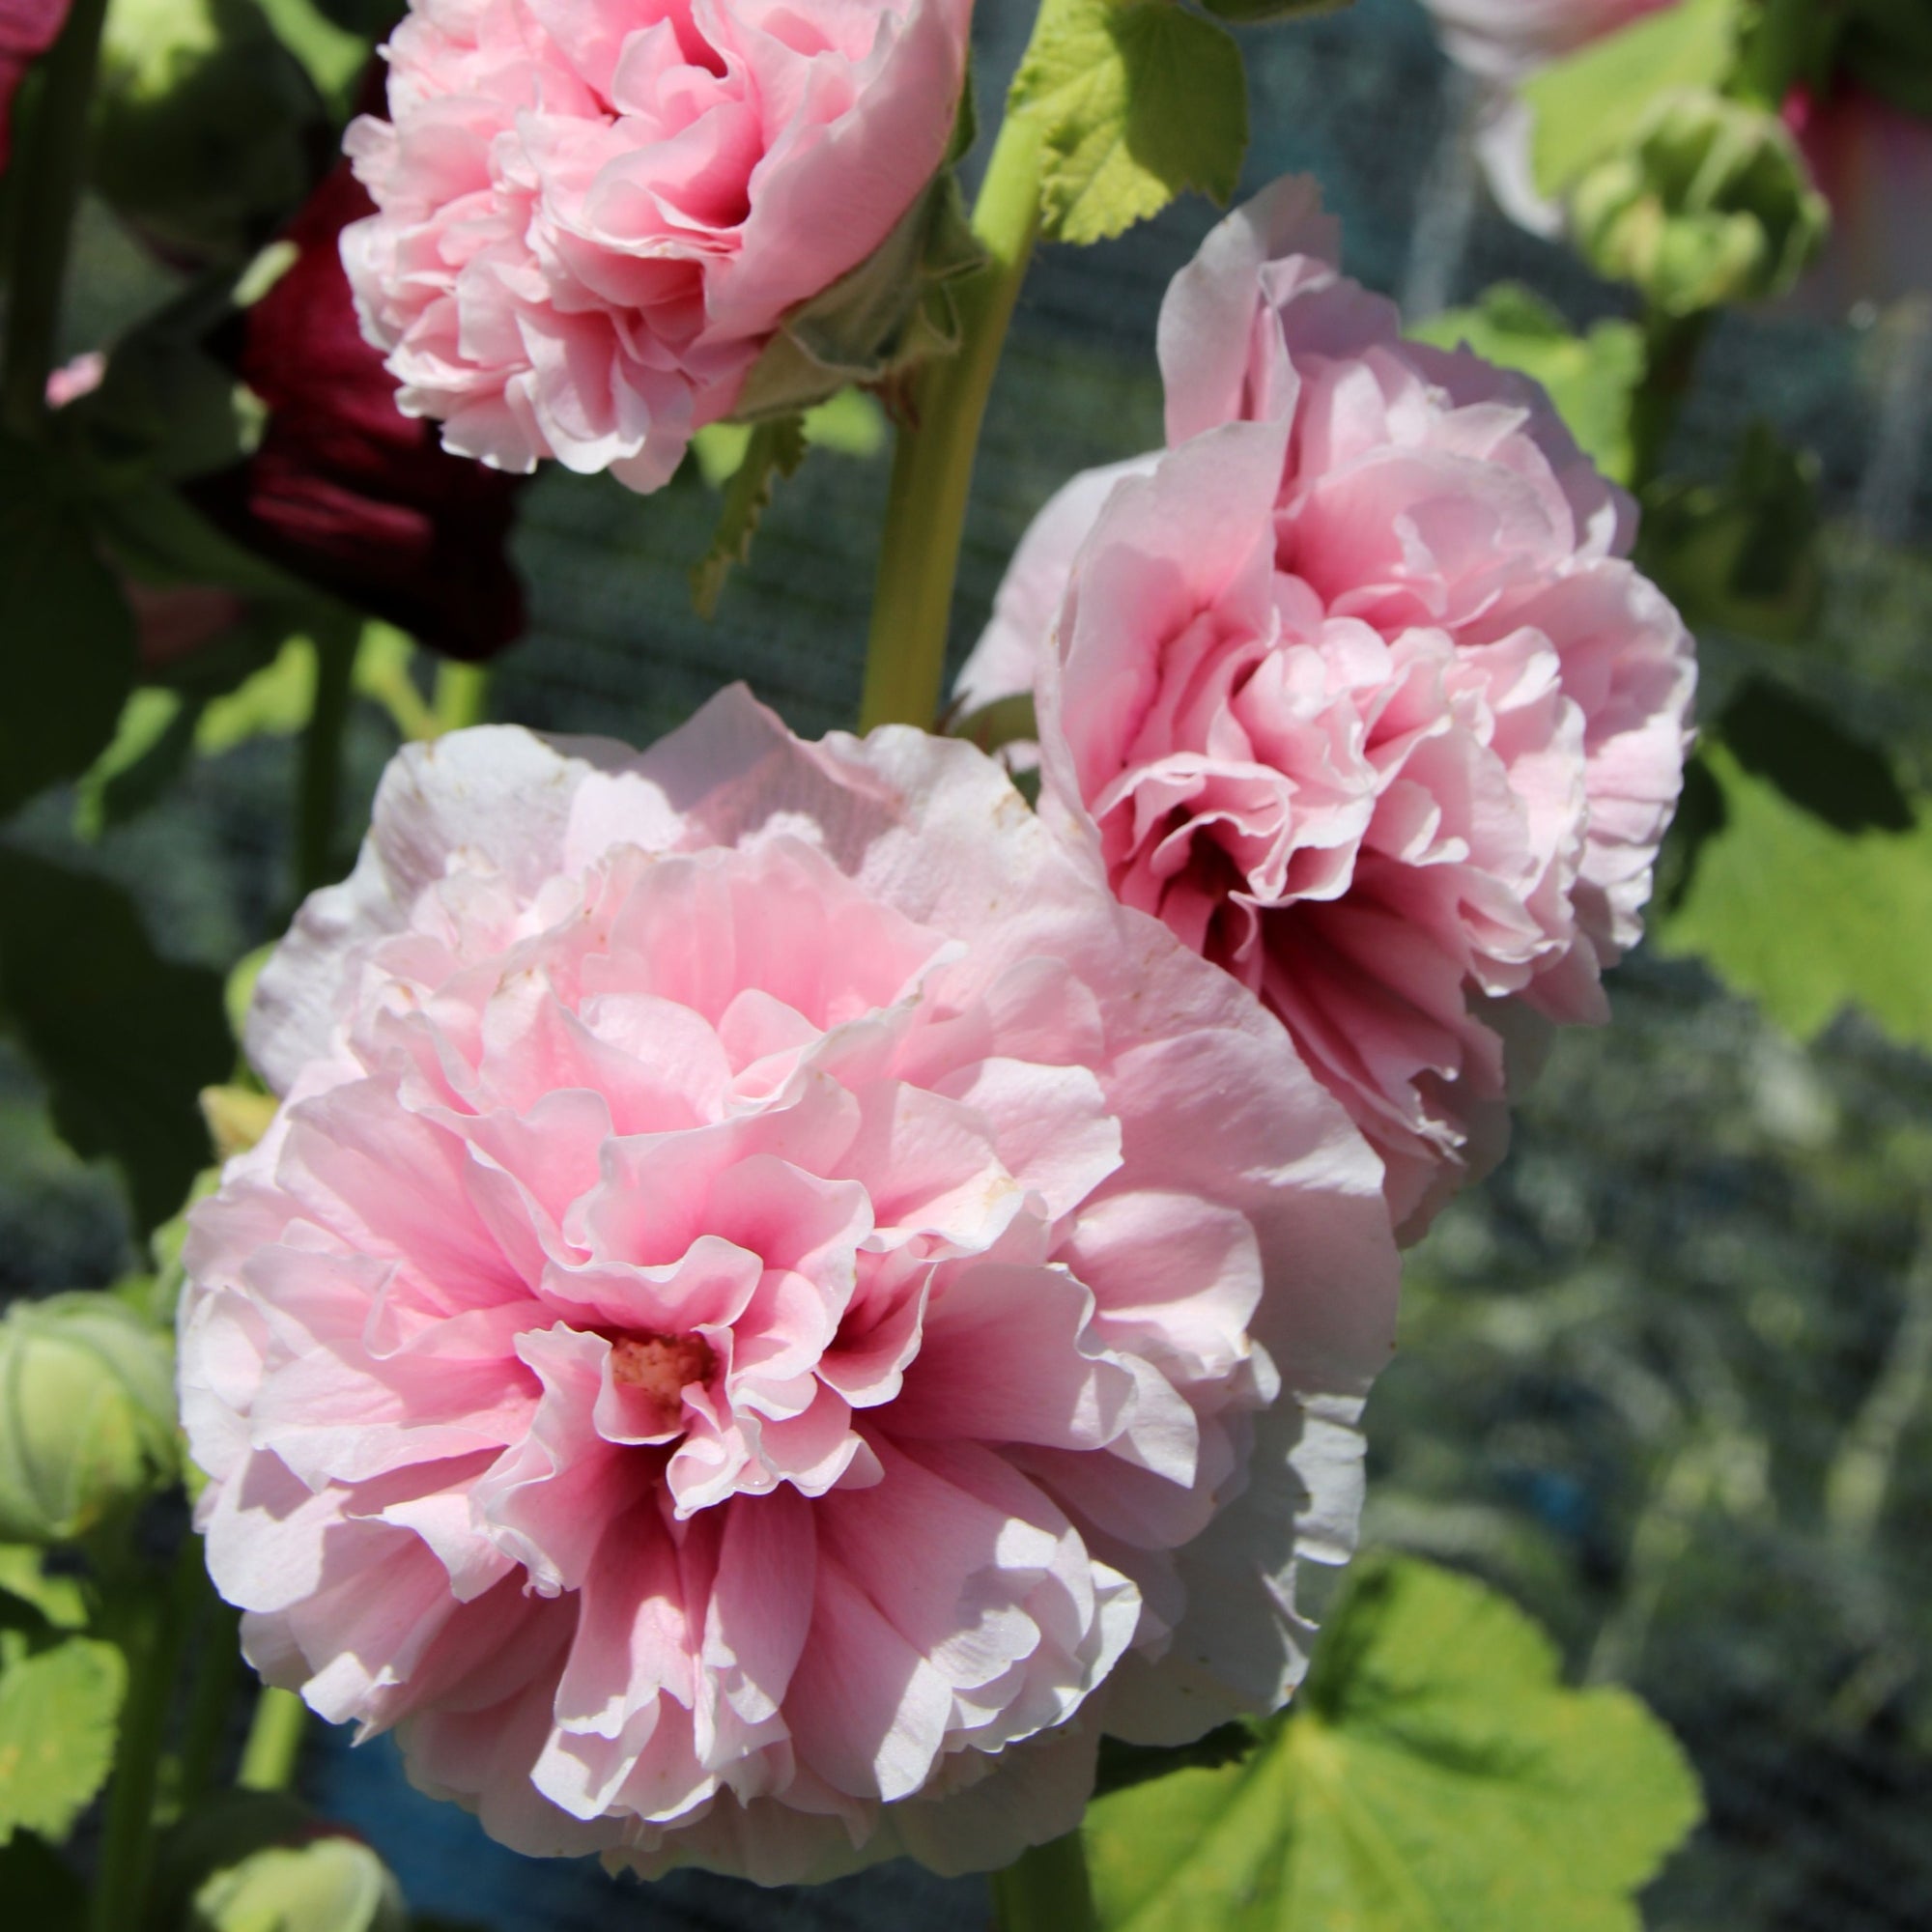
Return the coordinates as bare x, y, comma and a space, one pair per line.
774, 1307
594, 213
1354, 687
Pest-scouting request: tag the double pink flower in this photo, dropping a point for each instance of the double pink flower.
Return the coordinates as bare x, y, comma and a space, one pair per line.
1354, 687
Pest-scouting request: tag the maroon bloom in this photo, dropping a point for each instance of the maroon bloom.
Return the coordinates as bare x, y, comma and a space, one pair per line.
344, 490
28, 28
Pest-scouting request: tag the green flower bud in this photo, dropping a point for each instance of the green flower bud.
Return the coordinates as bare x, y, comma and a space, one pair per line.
1709, 204
263, 1861
330, 1885
87, 1415
205, 128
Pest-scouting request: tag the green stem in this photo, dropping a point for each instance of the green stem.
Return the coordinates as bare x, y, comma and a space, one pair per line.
1046, 1890
275, 1742
462, 696
149, 1629
319, 797
1672, 344
932, 468
50, 169
218, 1675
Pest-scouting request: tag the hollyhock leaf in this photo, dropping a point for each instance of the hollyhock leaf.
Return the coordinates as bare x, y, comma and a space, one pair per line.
776, 450
1592, 103
39, 1887
1137, 102
1590, 377
151, 748
70, 652
58, 1713
124, 1040
333, 56
1742, 555
1433, 1775
204, 125
54, 1601
1805, 915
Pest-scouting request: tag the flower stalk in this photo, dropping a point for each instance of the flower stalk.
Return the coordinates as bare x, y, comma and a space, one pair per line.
1046, 1890
319, 783
273, 1748
933, 466
51, 169
148, 1626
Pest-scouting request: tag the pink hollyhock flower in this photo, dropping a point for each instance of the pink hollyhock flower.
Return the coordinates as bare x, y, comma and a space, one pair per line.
344, 490
773, 1310
1354, 688
594, 213
28, 28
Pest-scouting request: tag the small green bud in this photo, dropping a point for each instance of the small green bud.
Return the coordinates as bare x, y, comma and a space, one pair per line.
87, 1415
330, 1885
1709, 204
205, 128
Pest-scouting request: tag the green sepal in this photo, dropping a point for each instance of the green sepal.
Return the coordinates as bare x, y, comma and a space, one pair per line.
1711, 203
891, 312
776, 450
1136, 102
87, 1416
263, 1861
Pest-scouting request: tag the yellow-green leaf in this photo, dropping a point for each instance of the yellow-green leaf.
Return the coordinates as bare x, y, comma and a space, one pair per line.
1136, 103
1435, 1775
1591, 104
58, 1710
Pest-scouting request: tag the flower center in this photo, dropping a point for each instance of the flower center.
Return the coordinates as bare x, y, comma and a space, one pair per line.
660, 1367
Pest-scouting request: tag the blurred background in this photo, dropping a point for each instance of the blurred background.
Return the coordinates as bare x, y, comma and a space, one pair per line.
1664, 1377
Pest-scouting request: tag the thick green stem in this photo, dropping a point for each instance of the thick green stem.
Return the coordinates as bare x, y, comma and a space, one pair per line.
1046, 1890
217, 1676
1672, 344
932, 469
48, 171
148, 1625
462, 696
319, 794
273, 1748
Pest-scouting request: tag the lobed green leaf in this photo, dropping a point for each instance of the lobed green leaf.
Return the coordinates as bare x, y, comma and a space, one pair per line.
58, 1713
1810, 885
1136, 102
1434, 1777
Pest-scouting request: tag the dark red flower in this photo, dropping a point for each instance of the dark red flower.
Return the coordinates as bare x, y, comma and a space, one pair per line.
344, 490
28, 28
